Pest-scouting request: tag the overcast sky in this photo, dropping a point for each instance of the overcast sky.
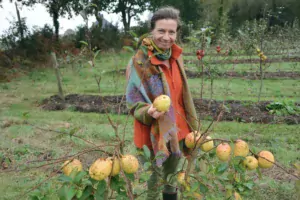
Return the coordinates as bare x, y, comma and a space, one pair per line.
38, 16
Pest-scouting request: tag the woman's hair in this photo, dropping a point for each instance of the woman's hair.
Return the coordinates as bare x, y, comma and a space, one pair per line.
167, 12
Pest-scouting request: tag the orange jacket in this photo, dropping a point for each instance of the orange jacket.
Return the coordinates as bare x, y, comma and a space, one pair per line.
174, 79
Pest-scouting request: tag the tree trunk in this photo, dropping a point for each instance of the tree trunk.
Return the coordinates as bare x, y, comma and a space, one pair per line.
261, 72
57, 74
128, 19
124, 20
220, 18
202, 83
55, 17
21, 30
98, 18
211, 90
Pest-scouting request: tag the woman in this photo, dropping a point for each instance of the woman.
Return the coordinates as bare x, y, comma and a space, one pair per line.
156, 69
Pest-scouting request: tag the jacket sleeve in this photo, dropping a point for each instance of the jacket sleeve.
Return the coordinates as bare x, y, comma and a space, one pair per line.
137, 100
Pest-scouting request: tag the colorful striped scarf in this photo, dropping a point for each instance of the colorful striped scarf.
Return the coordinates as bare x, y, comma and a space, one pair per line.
145, 83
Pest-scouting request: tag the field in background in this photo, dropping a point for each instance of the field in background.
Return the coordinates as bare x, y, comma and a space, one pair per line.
23, 143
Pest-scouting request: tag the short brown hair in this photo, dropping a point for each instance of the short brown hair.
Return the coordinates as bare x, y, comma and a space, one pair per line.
167, 12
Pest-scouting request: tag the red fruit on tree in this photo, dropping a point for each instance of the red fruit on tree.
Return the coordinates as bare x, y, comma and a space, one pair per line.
202, 53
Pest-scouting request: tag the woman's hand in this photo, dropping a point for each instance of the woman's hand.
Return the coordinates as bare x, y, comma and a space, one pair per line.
154, 113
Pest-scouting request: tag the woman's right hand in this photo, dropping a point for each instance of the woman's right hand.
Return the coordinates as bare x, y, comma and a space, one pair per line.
154, 113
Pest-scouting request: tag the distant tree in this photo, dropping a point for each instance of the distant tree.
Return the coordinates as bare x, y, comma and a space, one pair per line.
128, 9
281, 11
56, 9
190, 10
292, 9
20, 24
100, 5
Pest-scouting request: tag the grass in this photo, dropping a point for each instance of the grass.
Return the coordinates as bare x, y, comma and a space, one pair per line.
23, 142
82, 81
191, 48
242, 68
43, 82
95, 127
240, 89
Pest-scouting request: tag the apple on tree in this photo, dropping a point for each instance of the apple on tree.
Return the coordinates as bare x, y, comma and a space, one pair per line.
207, 146
241, 148
264, 159
223, 151
71, 165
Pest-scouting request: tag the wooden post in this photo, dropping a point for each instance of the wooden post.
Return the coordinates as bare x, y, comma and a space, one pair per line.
55, 66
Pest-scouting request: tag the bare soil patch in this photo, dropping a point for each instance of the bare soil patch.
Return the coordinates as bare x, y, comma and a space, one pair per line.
240, 111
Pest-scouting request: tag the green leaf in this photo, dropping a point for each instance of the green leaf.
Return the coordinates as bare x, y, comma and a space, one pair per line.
259, 173
84, 42
66, 193
130, 176
144, 176
147, 152
35, 195
122, 196
228, 187
221, 168
34, 198
147, 165
93, 5
78, 178
240, 188
208, 39
203, 188
228, 194
99, 195
290, 110
93, 181
128, 48
249, 185
203, 166
159, 155
78, 194
25, 115
114, 184
224, 178
239, 158
87, 192
195, 186
65, 179
87, 182
133, 34
96, 54
73, 131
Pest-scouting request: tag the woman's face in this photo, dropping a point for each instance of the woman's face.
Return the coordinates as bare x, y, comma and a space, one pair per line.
164, 33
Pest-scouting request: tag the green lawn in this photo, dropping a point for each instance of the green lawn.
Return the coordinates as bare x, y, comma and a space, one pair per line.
240, 89
268, 49
43, 83
215, 56
22, 143
82, 81
254, 67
